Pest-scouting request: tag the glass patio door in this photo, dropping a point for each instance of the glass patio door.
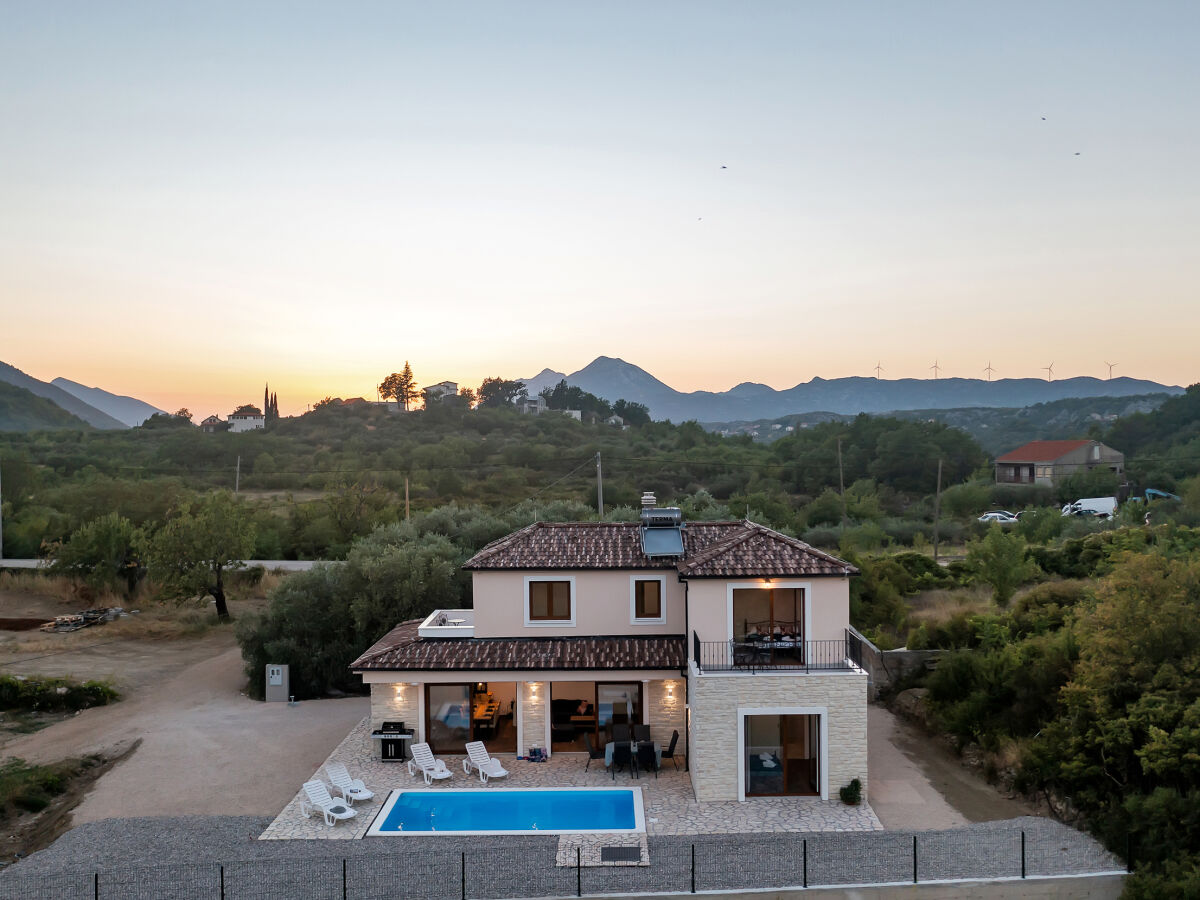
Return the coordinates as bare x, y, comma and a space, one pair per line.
768, 626
782, 755
617, 704
448, 708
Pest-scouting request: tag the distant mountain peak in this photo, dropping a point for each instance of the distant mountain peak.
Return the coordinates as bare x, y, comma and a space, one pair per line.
64, 399
613, 378
128, 410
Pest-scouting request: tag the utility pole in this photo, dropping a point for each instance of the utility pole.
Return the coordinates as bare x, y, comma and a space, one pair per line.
406, 498
237, 478
937, 509
1, 511
842, 485
599, 486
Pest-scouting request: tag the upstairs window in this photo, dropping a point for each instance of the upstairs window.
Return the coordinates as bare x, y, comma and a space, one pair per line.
647, 600
549, 601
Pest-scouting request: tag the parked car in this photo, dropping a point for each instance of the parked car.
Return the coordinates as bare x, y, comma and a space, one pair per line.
1003, 516
1098, 507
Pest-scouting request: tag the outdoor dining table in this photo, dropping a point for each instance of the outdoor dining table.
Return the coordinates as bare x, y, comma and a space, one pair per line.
608, 752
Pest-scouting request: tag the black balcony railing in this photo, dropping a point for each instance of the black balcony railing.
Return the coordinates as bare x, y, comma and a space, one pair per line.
794, 656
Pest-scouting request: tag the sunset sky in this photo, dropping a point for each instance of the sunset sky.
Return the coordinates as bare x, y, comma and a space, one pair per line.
199, 198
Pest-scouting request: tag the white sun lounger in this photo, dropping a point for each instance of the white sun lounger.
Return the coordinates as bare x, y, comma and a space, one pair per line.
424, 762
477, 758
316, 799
350, 788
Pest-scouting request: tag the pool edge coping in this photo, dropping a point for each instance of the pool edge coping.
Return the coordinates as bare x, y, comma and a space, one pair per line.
639, 814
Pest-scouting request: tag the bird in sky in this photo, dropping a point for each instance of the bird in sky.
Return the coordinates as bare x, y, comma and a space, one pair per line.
724, 167
1076, 154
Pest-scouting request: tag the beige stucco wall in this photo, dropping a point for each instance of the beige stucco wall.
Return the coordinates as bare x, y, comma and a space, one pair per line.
716, 724
602, 604
828, 600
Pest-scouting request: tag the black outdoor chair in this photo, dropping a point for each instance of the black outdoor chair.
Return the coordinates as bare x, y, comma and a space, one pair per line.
593, 753
622, 756
641, 732
620, 732
646, 759
669, 753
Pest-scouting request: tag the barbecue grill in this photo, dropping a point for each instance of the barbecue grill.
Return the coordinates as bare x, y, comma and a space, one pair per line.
392, 737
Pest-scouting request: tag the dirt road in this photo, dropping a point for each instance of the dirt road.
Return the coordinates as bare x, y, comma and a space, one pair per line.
915, 783
206, 749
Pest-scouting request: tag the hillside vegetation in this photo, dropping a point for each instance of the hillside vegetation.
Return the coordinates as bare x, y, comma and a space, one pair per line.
318, 481
22, 410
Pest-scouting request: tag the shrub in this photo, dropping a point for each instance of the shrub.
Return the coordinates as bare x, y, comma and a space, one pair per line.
851, 793
53, 694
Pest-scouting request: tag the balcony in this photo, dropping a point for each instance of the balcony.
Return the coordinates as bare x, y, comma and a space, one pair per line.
777, 656
448, 623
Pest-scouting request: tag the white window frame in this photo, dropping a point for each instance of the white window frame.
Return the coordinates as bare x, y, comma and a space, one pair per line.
550, 623
822, 712
806, 586
662, 600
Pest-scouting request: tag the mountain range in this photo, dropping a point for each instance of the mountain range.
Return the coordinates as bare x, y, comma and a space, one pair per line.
129, 410
72, 404
615, 379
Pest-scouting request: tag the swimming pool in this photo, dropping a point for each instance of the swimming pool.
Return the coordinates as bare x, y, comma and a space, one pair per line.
511, 811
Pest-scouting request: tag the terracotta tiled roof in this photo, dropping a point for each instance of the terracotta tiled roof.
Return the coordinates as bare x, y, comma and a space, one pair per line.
755, 550
1041, 451
402, 649
711, 549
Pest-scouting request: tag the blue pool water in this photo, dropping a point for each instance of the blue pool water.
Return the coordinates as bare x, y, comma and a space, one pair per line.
507, 810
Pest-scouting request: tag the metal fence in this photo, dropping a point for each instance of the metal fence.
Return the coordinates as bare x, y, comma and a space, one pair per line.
764, 655
677, 865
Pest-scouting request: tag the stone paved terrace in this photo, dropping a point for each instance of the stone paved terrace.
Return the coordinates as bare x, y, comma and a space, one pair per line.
671, 808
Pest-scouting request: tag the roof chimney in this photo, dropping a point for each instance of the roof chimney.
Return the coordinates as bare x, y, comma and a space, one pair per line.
649, 501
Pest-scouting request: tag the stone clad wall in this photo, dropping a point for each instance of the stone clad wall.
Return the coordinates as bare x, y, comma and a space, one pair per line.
390, 702
715, 699
533, 697
666, 712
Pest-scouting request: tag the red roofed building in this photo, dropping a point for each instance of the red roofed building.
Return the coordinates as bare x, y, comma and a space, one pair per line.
1047, 462
727, 643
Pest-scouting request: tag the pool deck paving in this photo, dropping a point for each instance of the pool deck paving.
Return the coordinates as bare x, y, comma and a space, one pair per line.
670, 805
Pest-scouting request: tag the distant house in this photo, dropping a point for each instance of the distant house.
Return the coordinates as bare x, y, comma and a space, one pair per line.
617, 422
213, 424
533, 406
246, 418
1047, 462
442, 390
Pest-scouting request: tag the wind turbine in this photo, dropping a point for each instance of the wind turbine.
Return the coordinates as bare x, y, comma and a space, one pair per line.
1049, 372
936, 368
1111, 366
988, 368
878, 369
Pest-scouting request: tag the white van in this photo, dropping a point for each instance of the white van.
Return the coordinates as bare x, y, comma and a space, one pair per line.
1092, 506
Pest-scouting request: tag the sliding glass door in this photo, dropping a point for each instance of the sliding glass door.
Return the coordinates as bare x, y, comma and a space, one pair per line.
768, 626
458, 713
782, 755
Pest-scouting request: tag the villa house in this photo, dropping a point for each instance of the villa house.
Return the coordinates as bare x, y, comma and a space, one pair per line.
246, 418
730, 633
1048, 462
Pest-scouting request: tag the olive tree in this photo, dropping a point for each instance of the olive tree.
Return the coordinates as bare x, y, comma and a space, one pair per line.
193, 552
